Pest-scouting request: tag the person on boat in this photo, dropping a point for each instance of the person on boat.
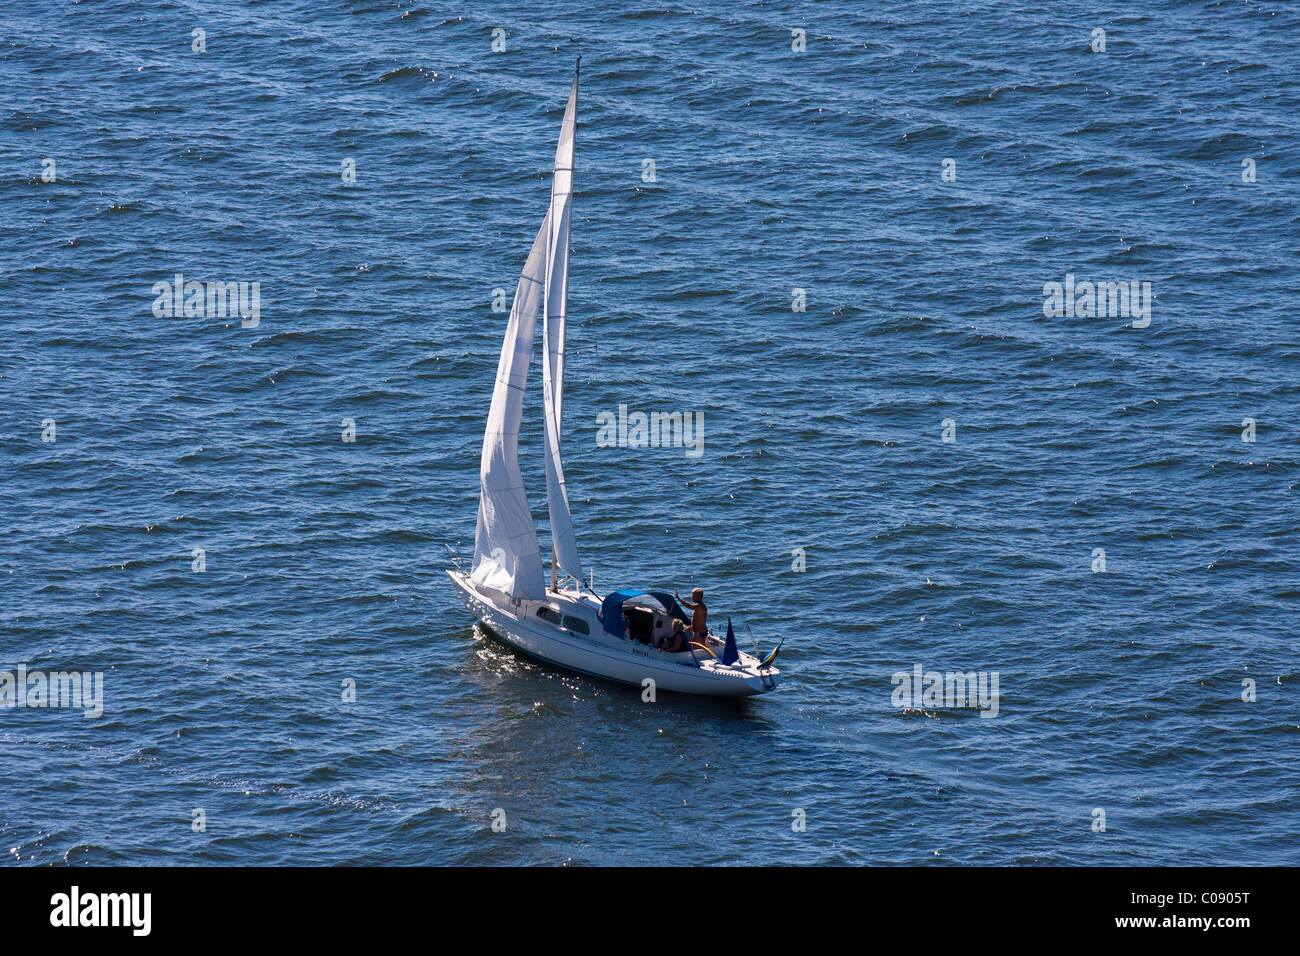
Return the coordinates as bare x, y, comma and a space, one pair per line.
699, 615
675, 642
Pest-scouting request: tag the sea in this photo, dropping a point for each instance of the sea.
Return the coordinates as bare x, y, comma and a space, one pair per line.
984, 318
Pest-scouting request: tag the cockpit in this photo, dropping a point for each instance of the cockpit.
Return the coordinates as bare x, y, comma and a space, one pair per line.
647, 620
648, 617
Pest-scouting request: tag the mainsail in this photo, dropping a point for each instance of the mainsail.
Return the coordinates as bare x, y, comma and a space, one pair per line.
564, 545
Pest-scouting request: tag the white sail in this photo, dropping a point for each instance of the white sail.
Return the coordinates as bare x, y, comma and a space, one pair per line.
564, 545
506, 555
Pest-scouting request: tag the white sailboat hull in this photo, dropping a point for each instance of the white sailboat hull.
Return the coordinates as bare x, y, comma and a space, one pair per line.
601, 654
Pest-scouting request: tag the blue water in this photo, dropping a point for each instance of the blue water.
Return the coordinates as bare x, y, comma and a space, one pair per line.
1120, 690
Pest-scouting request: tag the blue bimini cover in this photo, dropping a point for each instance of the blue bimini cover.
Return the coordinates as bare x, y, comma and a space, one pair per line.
611, 609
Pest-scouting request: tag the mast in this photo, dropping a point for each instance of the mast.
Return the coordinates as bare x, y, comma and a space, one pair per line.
564, 292
546, 335
564, 549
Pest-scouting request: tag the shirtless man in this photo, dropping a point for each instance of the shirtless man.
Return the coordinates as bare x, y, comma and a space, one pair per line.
699, 614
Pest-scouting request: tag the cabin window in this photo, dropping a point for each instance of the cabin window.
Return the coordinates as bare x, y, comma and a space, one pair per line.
549, 614
576, 624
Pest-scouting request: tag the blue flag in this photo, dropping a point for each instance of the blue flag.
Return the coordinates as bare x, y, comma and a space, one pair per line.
729, 653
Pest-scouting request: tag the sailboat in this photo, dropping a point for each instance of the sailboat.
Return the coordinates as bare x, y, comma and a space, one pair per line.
631, 635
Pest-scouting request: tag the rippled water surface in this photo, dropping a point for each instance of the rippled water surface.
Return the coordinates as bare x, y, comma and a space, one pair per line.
774, 170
